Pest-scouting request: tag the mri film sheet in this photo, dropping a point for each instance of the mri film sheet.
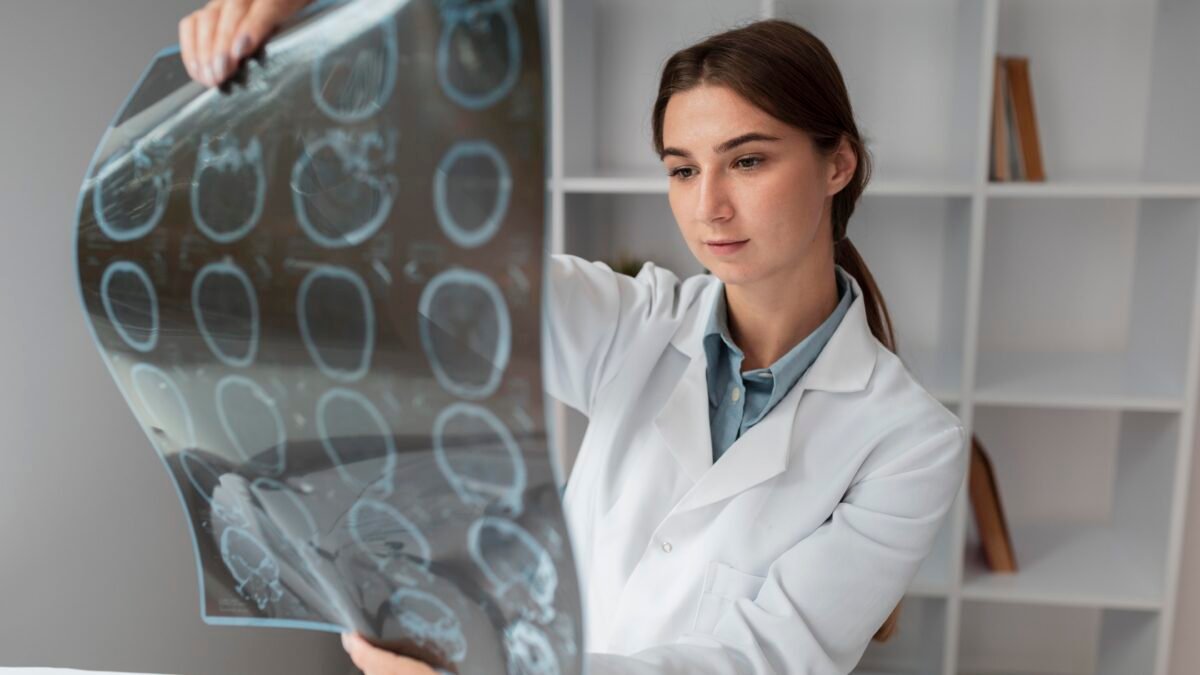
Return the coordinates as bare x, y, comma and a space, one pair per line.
318, 290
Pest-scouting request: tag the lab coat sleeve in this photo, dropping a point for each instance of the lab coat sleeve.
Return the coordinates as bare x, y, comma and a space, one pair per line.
592, 316
824, 598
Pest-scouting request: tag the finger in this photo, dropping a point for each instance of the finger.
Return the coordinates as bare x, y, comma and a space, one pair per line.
261, 20
187, 45
206, 24
223, 60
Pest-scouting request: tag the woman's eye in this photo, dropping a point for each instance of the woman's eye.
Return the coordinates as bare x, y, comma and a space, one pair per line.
681, 172
749, 162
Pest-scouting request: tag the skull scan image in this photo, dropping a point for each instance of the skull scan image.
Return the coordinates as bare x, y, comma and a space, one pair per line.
318, 289
466, 332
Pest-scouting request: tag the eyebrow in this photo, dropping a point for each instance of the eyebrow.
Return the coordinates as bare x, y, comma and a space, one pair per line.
723, 147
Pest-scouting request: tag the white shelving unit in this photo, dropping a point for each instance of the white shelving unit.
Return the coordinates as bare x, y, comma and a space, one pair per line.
1059, 320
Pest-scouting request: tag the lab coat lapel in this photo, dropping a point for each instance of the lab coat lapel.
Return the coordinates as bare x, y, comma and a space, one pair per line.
760, 454
844, 365
683, 420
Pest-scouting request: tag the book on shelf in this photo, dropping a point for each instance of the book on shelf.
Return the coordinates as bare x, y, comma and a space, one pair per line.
994, 535
1016, 144
1000, 163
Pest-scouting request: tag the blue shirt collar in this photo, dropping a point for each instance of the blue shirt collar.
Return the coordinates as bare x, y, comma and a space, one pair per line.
725, 358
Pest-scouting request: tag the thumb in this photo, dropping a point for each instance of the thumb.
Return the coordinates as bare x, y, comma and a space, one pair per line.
375, 661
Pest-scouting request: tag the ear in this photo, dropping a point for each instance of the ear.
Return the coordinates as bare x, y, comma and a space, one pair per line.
840, 167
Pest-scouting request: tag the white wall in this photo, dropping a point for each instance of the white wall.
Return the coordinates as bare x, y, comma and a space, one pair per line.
96, 568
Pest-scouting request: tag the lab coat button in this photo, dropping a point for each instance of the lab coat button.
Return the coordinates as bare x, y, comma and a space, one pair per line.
737, 393
666, 547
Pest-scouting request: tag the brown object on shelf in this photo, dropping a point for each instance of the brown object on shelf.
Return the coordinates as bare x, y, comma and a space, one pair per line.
989, 515
1024, 119
1016, 168
999, 170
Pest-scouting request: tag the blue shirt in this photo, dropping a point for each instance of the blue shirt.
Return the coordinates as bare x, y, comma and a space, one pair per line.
737, 400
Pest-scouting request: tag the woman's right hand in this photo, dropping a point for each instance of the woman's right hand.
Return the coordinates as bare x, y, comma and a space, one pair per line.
214, 40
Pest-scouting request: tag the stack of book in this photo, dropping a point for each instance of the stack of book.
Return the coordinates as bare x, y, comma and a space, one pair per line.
1016, 150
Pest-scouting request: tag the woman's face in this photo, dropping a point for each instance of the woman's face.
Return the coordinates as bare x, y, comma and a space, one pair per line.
750, 193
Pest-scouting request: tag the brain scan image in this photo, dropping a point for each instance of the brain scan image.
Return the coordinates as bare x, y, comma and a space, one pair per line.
252, 566
317, 288
252, 424
472, 187
430, 621
529, 651
164, 407
226, 312
387, 537
228, 187
520, 570
354, 80
479, 52
341, 190
132, 188
358, 441
337, 322
131, 304
466, 332
479, 457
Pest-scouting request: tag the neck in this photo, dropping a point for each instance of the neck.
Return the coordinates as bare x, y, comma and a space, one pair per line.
770, 317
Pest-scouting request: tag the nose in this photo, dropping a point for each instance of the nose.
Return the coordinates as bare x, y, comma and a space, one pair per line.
713, 203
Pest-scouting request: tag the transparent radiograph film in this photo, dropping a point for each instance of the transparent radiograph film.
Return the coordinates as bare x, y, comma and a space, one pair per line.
318, 289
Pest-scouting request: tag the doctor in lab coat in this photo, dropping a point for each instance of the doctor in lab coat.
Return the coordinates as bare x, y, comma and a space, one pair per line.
761, 475
788, 552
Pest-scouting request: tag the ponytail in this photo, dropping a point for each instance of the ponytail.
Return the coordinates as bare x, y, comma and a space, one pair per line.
878, 317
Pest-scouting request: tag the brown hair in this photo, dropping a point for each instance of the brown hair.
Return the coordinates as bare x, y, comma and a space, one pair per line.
789, 73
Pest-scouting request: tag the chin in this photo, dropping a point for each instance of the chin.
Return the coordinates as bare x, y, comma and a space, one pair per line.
730, 274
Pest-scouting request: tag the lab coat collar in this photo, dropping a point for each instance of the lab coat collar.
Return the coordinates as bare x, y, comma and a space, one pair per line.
844, 365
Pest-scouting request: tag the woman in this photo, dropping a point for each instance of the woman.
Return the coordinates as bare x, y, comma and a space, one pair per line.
761, 476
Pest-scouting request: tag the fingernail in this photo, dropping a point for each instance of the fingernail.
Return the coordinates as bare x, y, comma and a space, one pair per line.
208, 76
346, 641
240, 47
220, 65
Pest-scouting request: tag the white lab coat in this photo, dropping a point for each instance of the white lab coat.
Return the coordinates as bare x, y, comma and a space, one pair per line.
786, 555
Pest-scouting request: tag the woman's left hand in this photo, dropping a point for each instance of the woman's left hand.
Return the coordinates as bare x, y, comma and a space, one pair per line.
374, 661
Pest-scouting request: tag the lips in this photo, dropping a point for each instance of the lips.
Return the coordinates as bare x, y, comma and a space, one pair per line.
725, 246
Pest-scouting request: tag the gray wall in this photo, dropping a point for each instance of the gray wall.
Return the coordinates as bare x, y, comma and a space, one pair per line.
96, 568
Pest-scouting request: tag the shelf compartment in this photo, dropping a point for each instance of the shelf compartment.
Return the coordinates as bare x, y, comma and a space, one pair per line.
1087, 303
917, 644
912, 70
612, 62
917, 250
1084, 500
1069, 566
1074, 380
1016, 639
1117, 113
